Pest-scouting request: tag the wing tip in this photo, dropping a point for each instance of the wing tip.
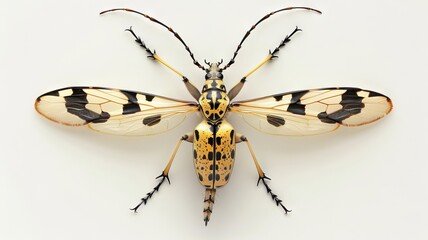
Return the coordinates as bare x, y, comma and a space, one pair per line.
373, 120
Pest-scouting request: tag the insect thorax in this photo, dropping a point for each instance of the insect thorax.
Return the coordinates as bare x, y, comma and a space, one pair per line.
214, 101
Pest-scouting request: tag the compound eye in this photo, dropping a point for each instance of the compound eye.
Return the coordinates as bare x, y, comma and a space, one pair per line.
219, 75
208, 76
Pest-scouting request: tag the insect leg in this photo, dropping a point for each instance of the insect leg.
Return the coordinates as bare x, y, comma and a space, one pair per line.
163, 25
255, 25
152, 54
164, 175
262, 176
238, 86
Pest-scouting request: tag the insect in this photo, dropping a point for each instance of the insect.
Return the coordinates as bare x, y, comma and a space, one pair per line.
123, 112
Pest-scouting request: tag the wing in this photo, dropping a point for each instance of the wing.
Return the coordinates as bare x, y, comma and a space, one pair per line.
113, 111
316, 111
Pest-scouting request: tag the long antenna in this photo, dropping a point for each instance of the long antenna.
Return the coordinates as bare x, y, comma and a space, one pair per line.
162, 24
255, 25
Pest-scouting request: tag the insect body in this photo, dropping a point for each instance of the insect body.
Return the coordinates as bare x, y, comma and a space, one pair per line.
306, 112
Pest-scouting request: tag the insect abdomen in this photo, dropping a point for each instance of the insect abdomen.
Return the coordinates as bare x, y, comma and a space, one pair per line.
214, 153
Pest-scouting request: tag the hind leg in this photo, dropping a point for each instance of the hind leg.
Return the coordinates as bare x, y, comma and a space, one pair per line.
164, 175
262, 176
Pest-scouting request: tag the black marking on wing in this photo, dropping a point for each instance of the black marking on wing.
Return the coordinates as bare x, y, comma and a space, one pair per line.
276, 121
296, 96
52, 93
113, 111
351, 105
376, 94
102, 118
296, 108
75, 104
152, 120
295, 104
325, 118
149, 97
278, 97
132, 106
78, 96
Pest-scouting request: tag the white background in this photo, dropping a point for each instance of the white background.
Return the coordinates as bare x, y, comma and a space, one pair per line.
60, 182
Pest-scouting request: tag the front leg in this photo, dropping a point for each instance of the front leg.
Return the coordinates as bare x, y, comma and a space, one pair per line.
152, 55
238, 86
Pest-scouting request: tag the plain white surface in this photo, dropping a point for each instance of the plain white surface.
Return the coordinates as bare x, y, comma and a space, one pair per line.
71, 183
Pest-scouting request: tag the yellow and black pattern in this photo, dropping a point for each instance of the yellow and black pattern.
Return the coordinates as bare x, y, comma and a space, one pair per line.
214, 153
214, 104
123, 112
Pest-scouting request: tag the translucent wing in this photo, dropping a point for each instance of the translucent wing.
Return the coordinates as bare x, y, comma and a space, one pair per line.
113, 111
316, 111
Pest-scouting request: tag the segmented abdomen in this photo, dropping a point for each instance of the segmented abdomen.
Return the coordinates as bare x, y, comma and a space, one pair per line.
214, 153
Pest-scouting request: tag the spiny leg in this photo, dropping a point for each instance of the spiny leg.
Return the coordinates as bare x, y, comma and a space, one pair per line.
163, 25
283, 42
238, 86
255, 25
152, 54
164, 175
262, 176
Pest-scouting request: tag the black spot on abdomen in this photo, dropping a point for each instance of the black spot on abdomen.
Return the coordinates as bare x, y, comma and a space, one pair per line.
232, 135
211, 141
218, 155
197, 135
